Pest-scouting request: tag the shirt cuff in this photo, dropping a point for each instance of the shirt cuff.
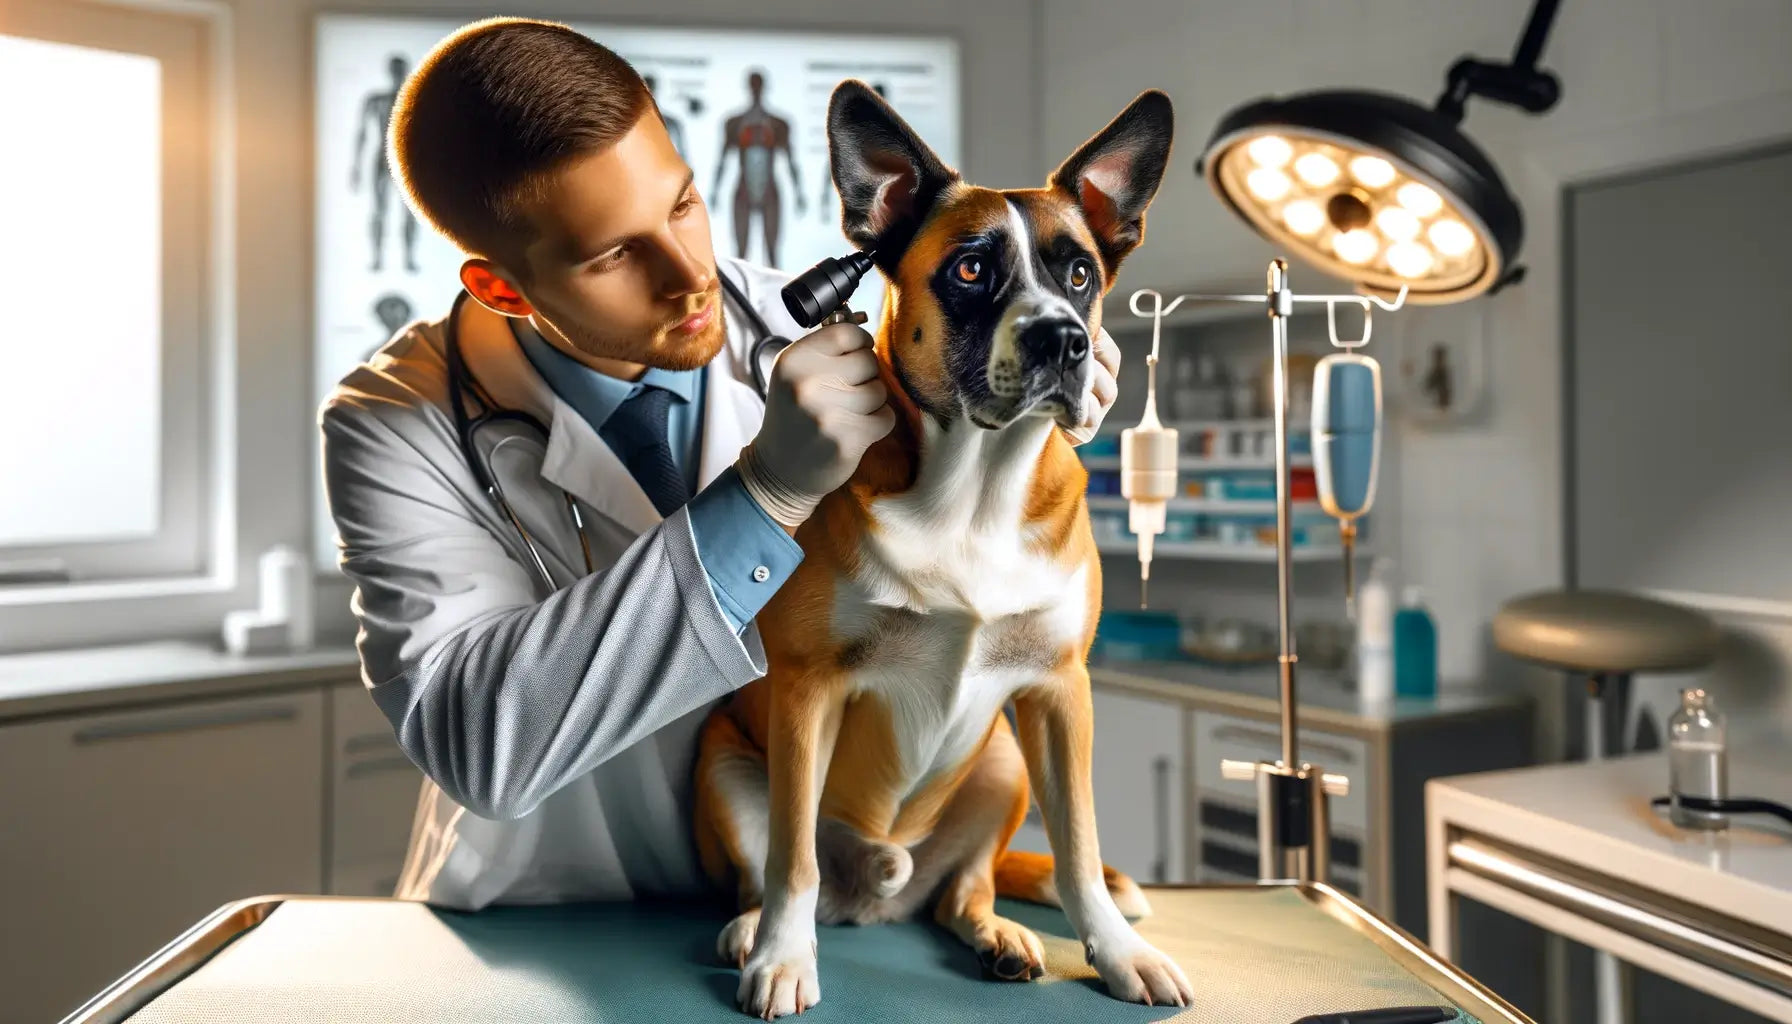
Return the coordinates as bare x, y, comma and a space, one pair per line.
744, 552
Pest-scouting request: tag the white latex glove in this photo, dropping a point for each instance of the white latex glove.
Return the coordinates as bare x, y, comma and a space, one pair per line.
825, 406
1104, 387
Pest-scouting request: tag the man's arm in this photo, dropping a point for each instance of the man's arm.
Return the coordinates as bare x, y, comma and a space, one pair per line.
501, 698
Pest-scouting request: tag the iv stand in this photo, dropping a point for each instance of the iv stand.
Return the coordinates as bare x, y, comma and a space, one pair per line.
1293, 805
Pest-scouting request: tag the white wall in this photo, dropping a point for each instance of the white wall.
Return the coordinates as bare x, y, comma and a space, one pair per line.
1477, 510
1000, 133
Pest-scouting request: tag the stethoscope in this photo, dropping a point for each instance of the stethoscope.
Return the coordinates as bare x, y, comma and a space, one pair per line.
467, 425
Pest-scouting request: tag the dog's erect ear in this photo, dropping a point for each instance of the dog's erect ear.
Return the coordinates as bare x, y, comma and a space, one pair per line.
886, 176
1114, 176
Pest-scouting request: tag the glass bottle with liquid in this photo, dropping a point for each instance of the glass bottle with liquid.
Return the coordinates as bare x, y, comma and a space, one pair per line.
1697, 761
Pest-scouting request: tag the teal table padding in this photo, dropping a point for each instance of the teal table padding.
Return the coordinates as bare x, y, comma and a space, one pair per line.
1255, 957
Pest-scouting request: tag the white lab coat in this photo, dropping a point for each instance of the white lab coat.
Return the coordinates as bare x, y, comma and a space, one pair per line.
557, 731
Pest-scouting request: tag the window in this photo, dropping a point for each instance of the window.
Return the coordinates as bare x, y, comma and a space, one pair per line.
105, 233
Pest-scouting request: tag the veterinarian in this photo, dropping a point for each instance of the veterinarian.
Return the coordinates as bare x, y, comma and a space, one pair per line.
547, 648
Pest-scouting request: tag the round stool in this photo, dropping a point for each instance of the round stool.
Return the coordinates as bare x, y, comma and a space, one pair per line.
1605, 636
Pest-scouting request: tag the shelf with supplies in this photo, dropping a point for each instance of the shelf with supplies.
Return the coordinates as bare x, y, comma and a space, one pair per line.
1115, 502
1225, 551
1226, 506
1196, 463
1212, 445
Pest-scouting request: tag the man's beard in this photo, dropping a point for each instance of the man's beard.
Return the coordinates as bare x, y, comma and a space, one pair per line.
664, 350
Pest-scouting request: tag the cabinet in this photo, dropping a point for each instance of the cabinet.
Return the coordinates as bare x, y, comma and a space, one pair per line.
119, 830
1139, 798
1139, 789
373, 797
1377, 830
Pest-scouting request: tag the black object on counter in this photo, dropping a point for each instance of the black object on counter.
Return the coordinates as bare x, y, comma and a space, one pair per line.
1734, 805
1390, 1015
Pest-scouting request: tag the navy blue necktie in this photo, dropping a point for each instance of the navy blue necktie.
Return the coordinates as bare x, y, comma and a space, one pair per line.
636, 431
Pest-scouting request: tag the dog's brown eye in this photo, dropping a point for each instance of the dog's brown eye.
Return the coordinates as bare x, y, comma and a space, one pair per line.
1079, 276
970, 269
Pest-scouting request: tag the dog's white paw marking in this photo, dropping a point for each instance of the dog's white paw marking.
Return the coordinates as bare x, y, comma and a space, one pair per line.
779, 979
1135, 971
735, 943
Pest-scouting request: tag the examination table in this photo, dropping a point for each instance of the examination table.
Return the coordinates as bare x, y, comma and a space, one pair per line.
1264, 954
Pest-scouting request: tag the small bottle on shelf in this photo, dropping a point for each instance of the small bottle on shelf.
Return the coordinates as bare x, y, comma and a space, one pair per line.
1200, 389
1697, 761
1182, 390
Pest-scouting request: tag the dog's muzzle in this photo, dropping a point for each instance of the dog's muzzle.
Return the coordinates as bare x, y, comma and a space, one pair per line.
1043, 368
1054, 343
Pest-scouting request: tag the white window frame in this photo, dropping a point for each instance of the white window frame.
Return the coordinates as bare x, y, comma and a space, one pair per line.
183, 583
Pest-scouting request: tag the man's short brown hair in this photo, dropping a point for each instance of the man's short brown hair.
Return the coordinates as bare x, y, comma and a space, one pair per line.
494, 109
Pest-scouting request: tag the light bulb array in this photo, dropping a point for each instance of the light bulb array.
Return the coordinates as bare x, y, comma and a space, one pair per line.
1355, 208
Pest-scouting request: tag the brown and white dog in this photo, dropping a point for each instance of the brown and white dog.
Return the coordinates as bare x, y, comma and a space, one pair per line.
872, 770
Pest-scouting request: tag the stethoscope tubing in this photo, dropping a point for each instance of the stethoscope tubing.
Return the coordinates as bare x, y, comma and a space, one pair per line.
460, 384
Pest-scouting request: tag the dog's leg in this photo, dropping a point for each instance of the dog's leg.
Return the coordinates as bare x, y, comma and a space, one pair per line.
1056, 730
983, 816
732, 827
780, 975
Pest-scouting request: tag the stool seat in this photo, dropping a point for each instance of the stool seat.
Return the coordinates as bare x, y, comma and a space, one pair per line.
1604, 631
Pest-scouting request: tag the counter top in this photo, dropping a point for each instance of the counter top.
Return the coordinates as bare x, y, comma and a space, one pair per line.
57, 682
1325, 698
1598, 814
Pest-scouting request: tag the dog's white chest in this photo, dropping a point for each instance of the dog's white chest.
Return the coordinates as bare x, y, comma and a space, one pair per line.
951, 609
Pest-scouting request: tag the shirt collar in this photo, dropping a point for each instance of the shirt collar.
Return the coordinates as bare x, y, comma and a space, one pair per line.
596, 396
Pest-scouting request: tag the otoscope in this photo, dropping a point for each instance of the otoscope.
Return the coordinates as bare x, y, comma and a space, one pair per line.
818, 295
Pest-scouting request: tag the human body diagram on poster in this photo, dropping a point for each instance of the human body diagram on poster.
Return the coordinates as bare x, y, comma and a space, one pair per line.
754, 137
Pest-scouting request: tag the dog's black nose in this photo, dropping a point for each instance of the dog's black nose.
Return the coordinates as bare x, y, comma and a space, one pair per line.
1055, 342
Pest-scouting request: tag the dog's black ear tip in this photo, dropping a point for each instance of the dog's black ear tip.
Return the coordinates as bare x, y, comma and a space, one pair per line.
1155, 103
851, 100
851, 89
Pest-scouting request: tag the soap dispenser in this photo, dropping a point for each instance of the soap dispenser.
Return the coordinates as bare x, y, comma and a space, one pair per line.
1415, 647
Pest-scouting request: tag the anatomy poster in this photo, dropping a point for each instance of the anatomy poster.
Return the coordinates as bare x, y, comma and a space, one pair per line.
748, 111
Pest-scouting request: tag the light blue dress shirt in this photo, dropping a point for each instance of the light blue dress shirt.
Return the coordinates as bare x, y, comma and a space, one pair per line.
744, 552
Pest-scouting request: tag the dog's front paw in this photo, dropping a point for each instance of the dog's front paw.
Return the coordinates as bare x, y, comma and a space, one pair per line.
1009, 952
1136, 972
735, 943
779, 979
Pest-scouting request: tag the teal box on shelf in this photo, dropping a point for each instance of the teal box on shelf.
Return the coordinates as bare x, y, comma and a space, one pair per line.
1101, 445
1138, 636
1251, 486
